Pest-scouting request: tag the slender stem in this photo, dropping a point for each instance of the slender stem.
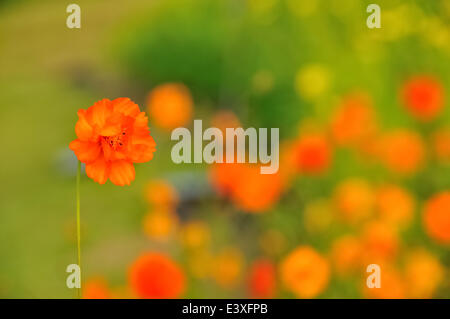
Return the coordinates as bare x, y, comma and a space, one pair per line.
78, 224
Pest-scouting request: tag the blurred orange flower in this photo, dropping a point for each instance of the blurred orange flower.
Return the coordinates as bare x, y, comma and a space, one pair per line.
395, 205
305, 272
354, 120
195, 234
380, 242
96, 289
227, 267
423, 96
154, 275
224, 119
248, 189
161, 194
423, 274
312, 153
262, 281
402, 151
354, 199
441, 144
170, 105
346, 255
112, 135
392, 285
436, 217
160, 224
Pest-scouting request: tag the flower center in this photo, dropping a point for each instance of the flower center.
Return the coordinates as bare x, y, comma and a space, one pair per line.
116, 141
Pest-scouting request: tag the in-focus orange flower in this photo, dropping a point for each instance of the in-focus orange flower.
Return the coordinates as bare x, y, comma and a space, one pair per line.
402, 151
395, 205
154, 275
161, 194
380, 242
392, 285
262, 281
305, 272
423, 273
423, 97
441, 144
170, 105
354, 199
436, 217
247, 188
312, 153
354, 121
96, 289
346, 255
112, 135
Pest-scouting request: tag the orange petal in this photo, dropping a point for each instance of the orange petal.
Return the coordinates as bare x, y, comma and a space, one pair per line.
100, 111
121, 173
83, 129
98, 170
125, 106
86, 152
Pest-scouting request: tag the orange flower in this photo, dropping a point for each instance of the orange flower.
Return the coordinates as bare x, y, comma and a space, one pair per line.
112, 135
402, 151
154, 275
395, 205
312, 153
160, 224
170, 105
392, 285
195, 234
354, 199
305, 272
262, 279
354, 121
161, 194
436, 217
380, 242
227, 267
441, 144
248, 189
96, 289
346, 255
423, 274
423, 96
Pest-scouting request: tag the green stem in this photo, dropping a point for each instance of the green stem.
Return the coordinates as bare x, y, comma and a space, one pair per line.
78, 224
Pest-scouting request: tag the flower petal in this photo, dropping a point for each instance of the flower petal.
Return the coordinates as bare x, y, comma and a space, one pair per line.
121, 173
83, 129
99, 112
142, 149
125, 106
98, 170
86, 152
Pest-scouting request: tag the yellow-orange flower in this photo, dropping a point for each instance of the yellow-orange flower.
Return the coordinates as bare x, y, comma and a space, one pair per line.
346, 255
161, 194
170, 105
96, 289
160, 224
312, 153
262, 281
380, 242
154, 275
112, 135
195, 234
436, 217
354, 200
441, 144
423, 274
354, 121
423, 96
395, 205
227, 267
305, 272
392, 285
402, 151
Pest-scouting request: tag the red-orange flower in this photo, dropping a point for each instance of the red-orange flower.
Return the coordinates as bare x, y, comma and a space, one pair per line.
96, 289
154, 275
423, 96
437, 217
312, 153
112, 135
262, 279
